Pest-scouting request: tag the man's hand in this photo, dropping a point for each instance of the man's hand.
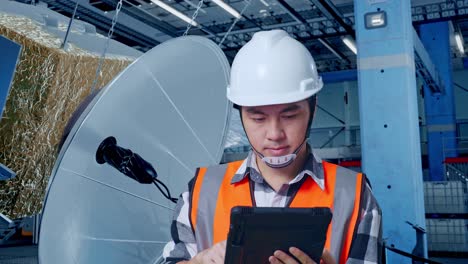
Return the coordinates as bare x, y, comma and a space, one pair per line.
279, 257
214, 254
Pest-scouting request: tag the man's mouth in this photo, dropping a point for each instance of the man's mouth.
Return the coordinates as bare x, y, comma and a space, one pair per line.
277, 151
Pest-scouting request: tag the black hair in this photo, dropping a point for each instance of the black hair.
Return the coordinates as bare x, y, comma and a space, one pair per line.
312, 104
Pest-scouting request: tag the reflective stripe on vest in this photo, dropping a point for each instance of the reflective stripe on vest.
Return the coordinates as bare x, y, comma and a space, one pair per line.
213, 196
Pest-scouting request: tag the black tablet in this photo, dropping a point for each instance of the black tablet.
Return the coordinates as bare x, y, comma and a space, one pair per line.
256, 232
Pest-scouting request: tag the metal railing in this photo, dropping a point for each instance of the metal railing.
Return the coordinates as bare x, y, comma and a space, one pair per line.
446, 204
445, 197
447, 235
456, 172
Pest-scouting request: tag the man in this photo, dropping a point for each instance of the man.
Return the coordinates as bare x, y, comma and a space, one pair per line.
273, 84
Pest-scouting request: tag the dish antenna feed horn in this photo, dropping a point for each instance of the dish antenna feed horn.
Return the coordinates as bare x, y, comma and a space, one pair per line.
130, 164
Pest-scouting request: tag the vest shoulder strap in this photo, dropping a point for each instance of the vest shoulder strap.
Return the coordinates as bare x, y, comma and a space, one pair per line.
204, 197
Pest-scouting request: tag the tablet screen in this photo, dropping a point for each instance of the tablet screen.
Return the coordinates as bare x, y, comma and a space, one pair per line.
256, 232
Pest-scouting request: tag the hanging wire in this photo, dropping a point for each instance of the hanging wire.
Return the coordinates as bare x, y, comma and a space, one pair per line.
157, 182
461, 87
189, 26
197, 10
109, 36
64, 44
195, 14
247, 4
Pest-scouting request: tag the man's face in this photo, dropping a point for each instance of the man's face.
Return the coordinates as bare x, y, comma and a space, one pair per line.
276, 130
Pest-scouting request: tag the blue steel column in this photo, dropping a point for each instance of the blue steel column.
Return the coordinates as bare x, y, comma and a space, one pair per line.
9, 52
391, 153
439, 107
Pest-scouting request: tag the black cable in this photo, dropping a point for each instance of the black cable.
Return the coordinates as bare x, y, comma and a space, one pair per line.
330, 114
461, 87
165, 187
413, 257
166, 194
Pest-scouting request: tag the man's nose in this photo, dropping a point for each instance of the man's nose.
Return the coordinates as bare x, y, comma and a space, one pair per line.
275, 131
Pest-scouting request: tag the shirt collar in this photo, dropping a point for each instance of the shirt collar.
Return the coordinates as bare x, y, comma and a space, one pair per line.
313, 168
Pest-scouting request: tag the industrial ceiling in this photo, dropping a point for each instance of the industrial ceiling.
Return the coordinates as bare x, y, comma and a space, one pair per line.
320, 24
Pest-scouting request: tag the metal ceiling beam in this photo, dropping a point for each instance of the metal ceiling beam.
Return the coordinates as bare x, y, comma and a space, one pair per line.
294, 14
194, 6
253, 22
213, 34
178, 32
330, 47
420, 16
102, 22
303, 40
419, 21
330, 11
438, 12
254, 29
285, 25
146, 17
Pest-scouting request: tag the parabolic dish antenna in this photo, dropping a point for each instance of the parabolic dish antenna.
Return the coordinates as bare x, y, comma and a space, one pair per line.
169, 106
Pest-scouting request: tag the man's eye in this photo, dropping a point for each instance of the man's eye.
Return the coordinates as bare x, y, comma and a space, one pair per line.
258, 119
289, 116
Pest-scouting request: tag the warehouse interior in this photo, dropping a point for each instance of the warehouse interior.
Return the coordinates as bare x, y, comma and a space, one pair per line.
394, 103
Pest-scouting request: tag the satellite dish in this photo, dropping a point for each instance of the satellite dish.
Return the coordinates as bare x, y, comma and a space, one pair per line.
169, 106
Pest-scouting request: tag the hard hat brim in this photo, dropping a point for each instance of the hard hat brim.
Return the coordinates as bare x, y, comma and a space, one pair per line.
270, 100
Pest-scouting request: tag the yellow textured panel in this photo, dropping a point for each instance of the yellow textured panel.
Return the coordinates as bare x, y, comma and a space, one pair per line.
48, 86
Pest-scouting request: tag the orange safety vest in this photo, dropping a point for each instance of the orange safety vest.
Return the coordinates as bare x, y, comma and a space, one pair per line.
213, 197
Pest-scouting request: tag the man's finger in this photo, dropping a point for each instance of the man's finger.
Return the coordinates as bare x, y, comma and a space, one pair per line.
285, 258
274, 260
213, 257
223, 246
219, 252
301, 256
327, 257
218, 259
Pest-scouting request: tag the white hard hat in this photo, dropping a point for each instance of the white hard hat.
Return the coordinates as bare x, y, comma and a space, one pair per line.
272, 68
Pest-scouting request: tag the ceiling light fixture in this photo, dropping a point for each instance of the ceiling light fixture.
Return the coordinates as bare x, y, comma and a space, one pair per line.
175, 12
350, 43
265, 3
228, 8
330, 48
459, 40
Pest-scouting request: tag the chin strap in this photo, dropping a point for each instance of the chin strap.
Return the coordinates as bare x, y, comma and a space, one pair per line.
281, 161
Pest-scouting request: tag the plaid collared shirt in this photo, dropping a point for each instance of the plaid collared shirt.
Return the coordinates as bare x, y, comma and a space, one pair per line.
366, 247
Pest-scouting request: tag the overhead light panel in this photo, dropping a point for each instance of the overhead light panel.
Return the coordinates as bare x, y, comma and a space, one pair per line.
376, 19
459, 40
228, 8
265, 3
175, 12
349, 42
